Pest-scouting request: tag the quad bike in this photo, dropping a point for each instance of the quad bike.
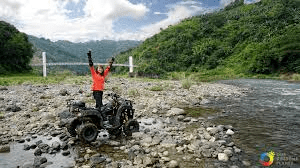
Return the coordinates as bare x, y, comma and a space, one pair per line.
116, 117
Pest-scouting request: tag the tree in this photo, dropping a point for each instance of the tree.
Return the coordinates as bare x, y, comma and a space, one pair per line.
15, 50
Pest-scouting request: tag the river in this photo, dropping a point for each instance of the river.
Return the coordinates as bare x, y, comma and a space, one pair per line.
267, 119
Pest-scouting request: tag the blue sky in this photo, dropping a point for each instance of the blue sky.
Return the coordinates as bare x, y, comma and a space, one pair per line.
84, 20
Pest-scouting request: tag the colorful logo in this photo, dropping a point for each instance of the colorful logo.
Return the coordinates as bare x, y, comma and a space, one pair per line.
263, 156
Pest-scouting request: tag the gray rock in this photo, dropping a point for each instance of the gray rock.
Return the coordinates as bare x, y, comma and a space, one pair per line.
63, 92
229, 132
21, 140
64, 146
147, 161
39, 142
246, 163
173, 164
3, 88
138, 160
38, 161
65, 153
13, 108
26, 147
222, 157
55, 133
234, 166
228, 152
237, 150
230, 144
44, 165
212, 130
187, 119
175, 112
4, 149
44, 147
56, 145
38, 152
206, 153
146, 130
156, 140
27, 165
180, 117
33, 146
97, 159
114, 143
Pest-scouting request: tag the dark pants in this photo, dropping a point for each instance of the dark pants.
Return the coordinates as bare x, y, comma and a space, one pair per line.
98, 97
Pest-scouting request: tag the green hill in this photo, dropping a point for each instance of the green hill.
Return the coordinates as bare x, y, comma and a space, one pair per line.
260, 38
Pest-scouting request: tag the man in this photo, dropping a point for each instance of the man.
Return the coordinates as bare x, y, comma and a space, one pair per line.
98, 77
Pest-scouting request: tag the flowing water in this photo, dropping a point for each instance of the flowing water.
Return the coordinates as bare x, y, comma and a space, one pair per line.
267, 119
18, 157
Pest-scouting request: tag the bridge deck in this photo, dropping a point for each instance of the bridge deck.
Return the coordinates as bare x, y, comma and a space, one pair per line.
78, 63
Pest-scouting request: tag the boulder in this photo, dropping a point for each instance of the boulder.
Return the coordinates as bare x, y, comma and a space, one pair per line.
56, 145
97, 159
38, 161
63, 92
175, 112
173, 164
4, 149
65, 153
223, 157
13, 108
38, 152
229, 132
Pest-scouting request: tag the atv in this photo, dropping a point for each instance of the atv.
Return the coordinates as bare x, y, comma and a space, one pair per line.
116, 117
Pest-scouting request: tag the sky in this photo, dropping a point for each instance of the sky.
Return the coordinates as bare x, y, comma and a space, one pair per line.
85, 20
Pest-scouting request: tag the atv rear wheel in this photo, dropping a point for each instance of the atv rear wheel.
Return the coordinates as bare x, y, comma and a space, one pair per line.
87, 132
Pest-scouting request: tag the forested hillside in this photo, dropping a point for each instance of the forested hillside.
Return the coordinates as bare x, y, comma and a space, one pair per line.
15, 50
245, 38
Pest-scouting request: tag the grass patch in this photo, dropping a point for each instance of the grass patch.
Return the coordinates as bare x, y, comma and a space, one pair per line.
156, 88
296, 77
199, 111
35, 79
1, 114
133, 92
187, 83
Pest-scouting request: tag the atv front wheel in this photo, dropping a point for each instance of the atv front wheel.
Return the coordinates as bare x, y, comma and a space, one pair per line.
130, 127
87, 132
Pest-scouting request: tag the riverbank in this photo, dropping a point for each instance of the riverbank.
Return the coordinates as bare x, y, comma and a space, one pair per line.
170, 134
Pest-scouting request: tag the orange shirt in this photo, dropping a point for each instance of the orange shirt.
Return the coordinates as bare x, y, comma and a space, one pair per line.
98, 80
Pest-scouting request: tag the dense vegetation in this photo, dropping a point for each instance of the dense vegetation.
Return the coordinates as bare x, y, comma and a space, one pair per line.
65, 51
15, 50
260, 38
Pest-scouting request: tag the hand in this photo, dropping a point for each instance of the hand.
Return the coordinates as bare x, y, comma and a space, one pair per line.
111, 60
89, 53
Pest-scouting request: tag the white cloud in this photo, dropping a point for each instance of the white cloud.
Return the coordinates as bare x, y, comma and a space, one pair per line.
175, 15
251, 1
224, 3
49, 18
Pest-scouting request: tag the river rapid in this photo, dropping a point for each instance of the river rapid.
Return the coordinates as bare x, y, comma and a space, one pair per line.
267, 119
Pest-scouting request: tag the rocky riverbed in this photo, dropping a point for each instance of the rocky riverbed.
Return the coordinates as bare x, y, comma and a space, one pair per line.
168, 137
